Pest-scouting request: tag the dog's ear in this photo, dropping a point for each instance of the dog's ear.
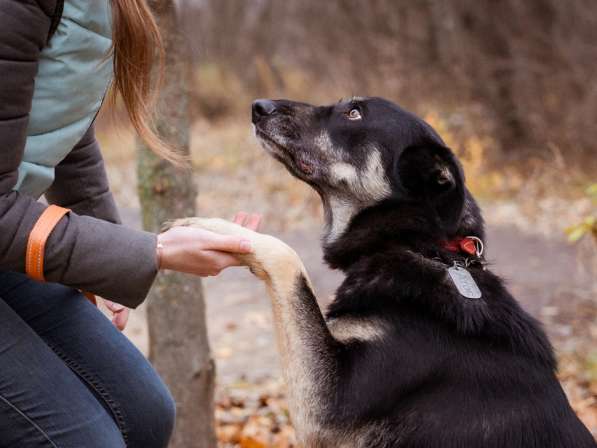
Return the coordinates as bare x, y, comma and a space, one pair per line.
431, 173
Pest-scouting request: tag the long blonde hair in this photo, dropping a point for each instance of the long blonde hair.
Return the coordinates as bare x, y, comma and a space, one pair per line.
137, 47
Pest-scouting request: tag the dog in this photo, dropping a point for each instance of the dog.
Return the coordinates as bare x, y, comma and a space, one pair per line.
423, 346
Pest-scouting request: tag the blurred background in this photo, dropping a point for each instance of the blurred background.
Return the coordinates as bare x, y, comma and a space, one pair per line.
510, 85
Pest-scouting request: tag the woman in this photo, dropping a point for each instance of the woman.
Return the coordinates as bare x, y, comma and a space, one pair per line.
68, 378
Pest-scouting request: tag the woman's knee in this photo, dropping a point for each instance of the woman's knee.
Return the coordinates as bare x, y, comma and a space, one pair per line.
151, 423
163, 412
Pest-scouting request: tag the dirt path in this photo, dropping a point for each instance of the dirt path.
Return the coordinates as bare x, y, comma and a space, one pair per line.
543, 275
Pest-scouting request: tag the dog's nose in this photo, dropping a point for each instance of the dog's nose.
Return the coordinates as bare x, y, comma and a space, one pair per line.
262, 108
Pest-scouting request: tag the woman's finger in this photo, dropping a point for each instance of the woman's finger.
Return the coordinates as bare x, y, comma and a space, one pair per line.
114, 307
120, 319
253, 221
227, 243
120, 314
216, 262
222, 260
239, 218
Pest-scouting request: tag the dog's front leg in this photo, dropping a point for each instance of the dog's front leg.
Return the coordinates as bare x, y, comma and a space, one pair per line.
307, 349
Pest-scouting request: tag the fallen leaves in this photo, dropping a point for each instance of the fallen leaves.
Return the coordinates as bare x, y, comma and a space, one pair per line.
571, 322
253, 416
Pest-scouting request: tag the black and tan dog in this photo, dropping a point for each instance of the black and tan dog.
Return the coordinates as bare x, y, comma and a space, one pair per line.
422, 346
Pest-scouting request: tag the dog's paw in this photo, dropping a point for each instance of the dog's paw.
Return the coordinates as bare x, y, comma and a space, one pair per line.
215, 225
269, 255
172, 223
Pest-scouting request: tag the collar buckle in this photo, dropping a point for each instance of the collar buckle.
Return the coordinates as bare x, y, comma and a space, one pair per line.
471, 245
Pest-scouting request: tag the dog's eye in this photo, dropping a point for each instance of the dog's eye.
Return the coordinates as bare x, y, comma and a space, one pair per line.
354, 114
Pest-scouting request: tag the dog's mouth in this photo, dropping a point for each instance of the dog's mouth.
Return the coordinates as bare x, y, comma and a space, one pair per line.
297, 162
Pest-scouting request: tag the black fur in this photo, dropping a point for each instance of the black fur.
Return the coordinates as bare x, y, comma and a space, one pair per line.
451, 372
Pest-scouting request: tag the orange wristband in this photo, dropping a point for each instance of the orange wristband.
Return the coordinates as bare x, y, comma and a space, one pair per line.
36, 245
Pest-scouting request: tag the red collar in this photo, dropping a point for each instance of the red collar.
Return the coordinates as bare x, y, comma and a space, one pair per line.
467, 244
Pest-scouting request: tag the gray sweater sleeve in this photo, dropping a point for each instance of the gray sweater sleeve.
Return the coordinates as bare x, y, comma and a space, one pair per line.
83, 252
81, 183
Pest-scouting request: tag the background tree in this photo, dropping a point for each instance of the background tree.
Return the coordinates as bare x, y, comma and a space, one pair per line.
179, 348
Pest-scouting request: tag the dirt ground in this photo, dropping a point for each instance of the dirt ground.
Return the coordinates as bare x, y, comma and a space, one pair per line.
555, 281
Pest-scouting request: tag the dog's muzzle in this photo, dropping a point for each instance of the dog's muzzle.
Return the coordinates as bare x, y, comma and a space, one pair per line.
261, 109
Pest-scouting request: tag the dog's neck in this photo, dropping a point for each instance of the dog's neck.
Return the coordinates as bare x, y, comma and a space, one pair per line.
338, 213
354, 230
388, 226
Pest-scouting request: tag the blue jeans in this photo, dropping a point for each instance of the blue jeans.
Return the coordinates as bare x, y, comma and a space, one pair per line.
69, 378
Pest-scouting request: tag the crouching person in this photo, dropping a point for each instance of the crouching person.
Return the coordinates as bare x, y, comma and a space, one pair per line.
68, 377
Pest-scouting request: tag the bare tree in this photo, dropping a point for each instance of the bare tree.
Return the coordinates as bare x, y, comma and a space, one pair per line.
179, 348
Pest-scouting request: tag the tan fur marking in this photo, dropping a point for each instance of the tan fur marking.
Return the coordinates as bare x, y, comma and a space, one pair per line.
342, 212
368, 185
343, 171
373, 179
350, 328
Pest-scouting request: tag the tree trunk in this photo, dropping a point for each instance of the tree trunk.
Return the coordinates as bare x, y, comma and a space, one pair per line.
179, 348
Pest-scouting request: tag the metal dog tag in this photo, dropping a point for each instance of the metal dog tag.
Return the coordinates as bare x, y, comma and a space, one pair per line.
464, 282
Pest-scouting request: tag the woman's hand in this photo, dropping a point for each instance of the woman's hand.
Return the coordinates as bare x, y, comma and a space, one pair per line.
193, 251
199, 252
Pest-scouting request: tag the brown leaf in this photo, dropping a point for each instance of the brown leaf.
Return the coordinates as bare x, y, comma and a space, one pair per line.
250, 442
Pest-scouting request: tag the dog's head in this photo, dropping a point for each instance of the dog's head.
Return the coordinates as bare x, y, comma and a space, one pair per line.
362, 152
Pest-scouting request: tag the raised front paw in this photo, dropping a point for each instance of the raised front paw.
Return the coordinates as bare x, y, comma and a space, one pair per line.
269, 255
